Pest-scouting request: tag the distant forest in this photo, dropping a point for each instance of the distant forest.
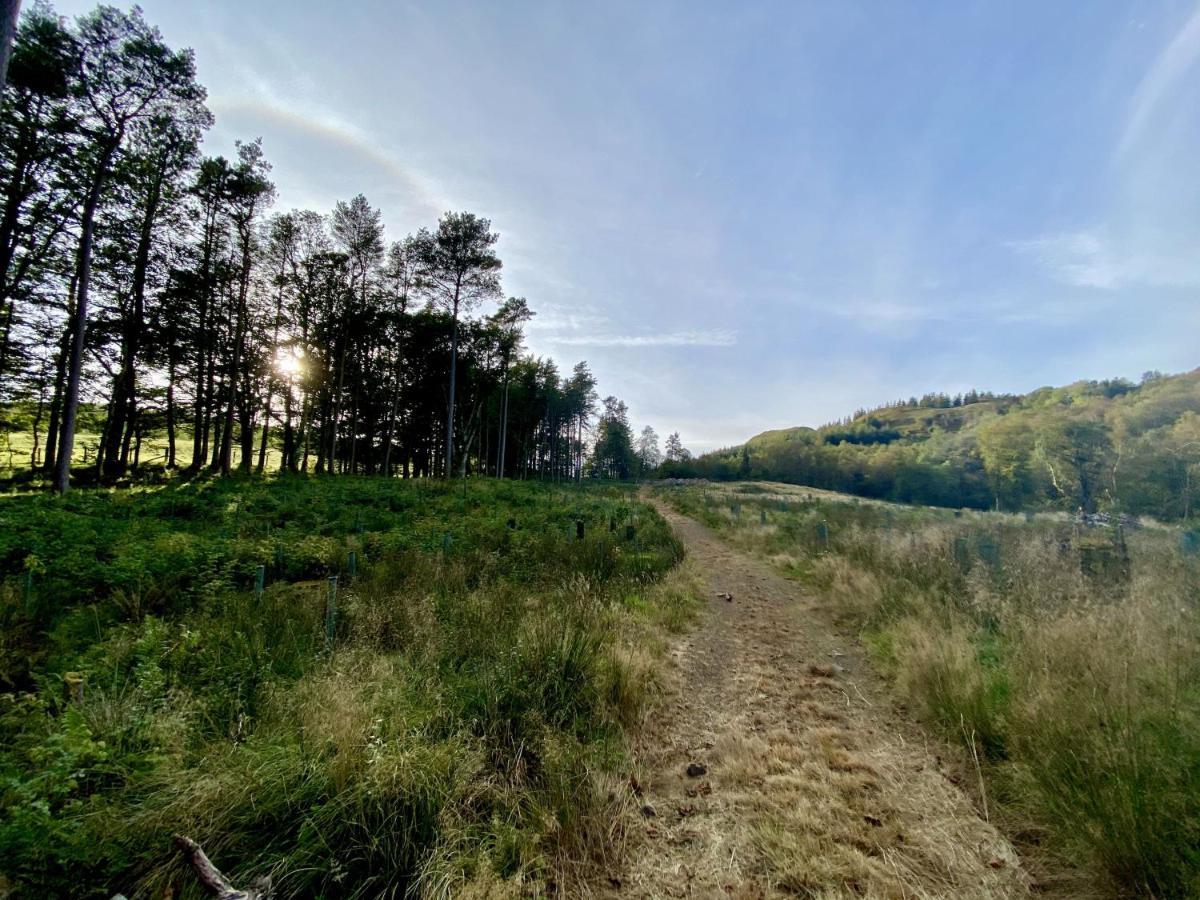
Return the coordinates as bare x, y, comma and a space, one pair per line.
1097, 445
148, 290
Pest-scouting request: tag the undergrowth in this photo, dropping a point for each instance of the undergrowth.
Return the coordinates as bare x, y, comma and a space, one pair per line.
1065, 658
452, 726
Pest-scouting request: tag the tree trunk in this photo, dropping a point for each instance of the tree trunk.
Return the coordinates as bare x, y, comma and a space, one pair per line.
66, 442
171, 414
503, 426
391, 430
205, 351
60, 381
246, 424
125, 392
450, 400
9, 10
241, 326
336, 413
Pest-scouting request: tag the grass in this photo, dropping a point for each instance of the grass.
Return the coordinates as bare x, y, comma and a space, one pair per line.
456, 729
16, 448
1066, 660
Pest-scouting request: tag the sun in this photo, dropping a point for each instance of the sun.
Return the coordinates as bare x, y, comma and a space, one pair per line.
289, 361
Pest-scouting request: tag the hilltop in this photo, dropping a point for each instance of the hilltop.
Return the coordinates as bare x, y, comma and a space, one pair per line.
1111, 444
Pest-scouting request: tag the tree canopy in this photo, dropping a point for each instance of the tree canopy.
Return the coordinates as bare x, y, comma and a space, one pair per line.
150, 294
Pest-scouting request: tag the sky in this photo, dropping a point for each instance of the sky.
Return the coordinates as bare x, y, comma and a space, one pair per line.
756, 215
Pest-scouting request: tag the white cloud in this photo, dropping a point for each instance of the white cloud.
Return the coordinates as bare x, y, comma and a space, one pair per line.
1093, 259
711, 338
1080, 258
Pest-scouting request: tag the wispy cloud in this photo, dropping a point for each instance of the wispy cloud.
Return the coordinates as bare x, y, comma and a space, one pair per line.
711, 338
1093, 259
1168, 69
1080, 258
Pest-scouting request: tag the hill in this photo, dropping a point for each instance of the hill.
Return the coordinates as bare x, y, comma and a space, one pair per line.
1101, 445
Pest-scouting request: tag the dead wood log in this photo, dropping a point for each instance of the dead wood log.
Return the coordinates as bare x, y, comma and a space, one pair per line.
212, 879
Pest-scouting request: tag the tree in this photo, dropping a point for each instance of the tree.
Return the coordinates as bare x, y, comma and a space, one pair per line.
37, 125
613, 455
153, 171
126, 75
647, 449
398, 278
674, 448
141, 291
508, 319
358, 230
457, 270
249, 191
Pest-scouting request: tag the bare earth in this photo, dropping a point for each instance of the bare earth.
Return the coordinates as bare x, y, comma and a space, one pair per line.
814, 785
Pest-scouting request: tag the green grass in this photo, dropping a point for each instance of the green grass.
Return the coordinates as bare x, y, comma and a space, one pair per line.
1067, 659
16, 448
459, 732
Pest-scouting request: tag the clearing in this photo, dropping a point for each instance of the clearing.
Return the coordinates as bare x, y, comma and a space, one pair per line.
813, 783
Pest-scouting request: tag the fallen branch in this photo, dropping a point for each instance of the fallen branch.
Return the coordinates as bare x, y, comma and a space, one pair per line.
210, 876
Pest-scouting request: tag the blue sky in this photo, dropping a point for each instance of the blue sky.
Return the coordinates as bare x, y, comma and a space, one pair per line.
747, 216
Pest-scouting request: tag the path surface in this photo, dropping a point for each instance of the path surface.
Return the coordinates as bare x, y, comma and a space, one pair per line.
814, 786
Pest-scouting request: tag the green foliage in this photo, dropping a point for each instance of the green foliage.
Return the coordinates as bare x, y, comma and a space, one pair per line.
456, 731
613, 455
1107, 445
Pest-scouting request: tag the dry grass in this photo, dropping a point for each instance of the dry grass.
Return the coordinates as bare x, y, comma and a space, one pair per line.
1068, 665
832, 819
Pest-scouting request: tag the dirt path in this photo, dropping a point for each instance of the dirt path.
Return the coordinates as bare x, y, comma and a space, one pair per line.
813, 785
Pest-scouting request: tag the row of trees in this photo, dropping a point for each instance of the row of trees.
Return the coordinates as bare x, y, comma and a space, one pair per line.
1097, 445
154, 286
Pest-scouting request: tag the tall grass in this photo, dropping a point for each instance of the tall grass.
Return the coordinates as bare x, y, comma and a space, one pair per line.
460, 735
1067, 659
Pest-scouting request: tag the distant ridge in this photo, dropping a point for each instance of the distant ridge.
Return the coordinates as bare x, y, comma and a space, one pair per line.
1112, 444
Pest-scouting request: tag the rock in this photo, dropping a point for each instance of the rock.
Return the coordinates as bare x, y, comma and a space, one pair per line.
648, 811
695, 770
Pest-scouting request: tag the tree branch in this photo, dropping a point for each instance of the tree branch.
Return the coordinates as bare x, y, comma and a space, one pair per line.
210, 876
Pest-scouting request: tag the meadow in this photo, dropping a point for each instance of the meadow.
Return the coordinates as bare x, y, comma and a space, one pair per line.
1064, 659
359, 687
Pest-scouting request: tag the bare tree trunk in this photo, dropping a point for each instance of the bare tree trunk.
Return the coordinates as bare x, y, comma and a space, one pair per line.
212, 879
60, 381
450, 401
171, 415
337, 406
9, 11
305, 424
206, 353
503, 425
241, 326
66, 443
125, 392
391, 430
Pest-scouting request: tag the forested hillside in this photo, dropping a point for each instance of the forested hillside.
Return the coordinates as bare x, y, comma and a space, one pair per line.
1108, 445
153, 307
